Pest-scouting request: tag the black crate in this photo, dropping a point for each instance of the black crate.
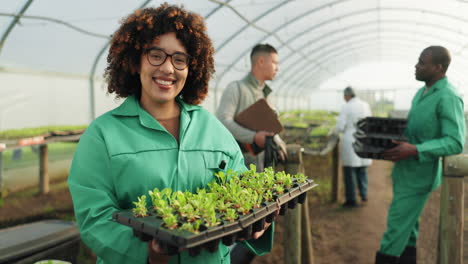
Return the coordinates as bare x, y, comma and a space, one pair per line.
151, 226
48, 239
380, 125
377, 140
374, 135
368, 152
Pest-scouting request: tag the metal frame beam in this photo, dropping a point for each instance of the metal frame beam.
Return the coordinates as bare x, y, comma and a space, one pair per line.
92, 103
273, 33
58, 21
344, 40
346, 53
340, 17
377, 23
13, 23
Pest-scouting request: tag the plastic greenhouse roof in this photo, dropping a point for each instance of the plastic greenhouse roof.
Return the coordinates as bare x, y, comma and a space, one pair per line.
316, 40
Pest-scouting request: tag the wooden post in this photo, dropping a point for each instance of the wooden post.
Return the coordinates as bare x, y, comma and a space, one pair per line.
43, 169
336, 173
297, 232
451, 210
2, 194
307, 249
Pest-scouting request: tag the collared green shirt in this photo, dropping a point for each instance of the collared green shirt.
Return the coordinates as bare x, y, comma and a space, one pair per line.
436, 126
125, 153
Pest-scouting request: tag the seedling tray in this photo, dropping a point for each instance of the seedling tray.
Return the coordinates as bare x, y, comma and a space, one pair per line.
368, 152
172, 240
379, 125
378, 140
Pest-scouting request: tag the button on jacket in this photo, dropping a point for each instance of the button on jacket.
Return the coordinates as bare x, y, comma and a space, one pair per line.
125, 153
436, 125
351, 112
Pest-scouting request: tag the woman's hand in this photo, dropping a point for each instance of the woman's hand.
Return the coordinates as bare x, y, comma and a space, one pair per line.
258, 234
156, 254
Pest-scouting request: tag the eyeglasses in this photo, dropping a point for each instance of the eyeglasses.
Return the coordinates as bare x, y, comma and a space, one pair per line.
157, 56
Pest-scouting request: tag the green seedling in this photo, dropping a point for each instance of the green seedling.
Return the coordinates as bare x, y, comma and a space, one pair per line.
140, 209
301, 178
170, 222
231, 215
279, 189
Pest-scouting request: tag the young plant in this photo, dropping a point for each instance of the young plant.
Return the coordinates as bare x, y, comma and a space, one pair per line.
192, 227
279, 189
178, 200
246, 203
221, 177
189, 213
165, 211
211, 220
140, 209
280, 177
268, 196
252, 172
170, 222
288, 182
221, 206
159, 198
230, 215
301, 178
256, 199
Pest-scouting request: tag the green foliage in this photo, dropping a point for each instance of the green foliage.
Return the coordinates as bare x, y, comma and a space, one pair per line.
301, 178
36, 131
304, 118
320, 131
230, 194
319, 124
193, 227
140, 209
170, 222
231, 215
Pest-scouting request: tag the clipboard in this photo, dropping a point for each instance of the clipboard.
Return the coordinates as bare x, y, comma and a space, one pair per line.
259, 116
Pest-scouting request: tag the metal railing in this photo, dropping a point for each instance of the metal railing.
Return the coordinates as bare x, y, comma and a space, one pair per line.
43, 160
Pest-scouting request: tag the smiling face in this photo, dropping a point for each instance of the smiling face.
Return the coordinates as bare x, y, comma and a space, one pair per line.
161, 84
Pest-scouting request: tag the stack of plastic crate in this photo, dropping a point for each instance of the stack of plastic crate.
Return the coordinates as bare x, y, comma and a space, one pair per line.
374, 135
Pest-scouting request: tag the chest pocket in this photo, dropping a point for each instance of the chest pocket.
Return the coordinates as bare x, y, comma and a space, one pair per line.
214, 162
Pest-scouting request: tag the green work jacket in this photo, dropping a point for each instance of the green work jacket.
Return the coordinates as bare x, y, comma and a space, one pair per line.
125, 153
436, 125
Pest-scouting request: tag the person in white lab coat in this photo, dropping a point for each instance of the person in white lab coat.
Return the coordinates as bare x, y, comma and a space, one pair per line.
354, 167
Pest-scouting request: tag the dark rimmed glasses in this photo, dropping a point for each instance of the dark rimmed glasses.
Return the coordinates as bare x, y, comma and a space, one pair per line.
157, 57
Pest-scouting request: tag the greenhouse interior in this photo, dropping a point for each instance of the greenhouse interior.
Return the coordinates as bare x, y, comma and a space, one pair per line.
55, 63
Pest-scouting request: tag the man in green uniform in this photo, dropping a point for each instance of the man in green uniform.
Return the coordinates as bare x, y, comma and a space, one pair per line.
435, 128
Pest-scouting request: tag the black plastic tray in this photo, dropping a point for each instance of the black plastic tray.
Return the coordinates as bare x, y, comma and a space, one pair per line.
378, 140
151, 226
380, 125
368, 152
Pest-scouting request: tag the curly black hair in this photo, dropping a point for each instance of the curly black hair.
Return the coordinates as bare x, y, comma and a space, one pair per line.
135, 35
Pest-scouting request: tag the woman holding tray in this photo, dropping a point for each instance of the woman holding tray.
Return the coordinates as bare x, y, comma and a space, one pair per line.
160, 60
